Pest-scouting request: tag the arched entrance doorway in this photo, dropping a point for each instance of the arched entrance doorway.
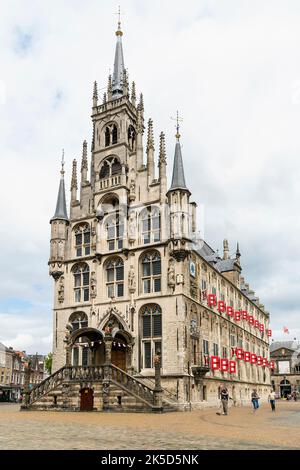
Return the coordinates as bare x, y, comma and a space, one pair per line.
118, 351
285, 388
86, 399
88, 347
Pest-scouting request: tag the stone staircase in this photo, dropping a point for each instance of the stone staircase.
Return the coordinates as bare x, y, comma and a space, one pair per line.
113, 390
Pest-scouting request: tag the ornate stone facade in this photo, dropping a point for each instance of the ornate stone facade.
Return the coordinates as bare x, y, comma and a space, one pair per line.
127, 263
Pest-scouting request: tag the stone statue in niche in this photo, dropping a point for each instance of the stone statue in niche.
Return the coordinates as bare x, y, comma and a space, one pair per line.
61, 289
93, 285
171, 274
131, 227
131, 279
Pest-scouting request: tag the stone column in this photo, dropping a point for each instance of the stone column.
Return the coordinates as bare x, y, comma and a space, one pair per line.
106, 370
157, 389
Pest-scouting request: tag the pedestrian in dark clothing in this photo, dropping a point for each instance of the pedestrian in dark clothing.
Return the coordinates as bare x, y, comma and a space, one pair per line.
254, 399
224, 400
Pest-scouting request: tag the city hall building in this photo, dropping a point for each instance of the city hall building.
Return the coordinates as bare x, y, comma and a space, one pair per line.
146, 315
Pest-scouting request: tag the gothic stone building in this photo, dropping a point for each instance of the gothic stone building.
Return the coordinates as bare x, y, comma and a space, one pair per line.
134, 286
285, 377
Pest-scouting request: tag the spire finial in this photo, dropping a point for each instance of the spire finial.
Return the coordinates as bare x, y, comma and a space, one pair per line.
150, 138
119, 31
74, 175
178, 119
62, 171
162, 149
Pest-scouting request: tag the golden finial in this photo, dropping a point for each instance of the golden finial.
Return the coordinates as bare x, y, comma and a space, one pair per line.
177, 119
119, 31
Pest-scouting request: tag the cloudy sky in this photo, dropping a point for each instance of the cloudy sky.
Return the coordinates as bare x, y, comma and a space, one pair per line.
231, 68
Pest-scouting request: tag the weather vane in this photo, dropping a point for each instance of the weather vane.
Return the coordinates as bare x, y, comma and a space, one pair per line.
178, 119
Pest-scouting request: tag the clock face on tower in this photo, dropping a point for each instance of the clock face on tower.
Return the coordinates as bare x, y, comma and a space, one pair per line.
192, 269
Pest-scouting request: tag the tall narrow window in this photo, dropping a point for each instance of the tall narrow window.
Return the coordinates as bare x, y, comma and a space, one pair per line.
115, 232
82, 240
115, 278
114, 134
150, 225
151, 272
151, 334
81, 283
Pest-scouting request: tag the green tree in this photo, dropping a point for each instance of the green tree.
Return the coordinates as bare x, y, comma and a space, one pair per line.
48, 363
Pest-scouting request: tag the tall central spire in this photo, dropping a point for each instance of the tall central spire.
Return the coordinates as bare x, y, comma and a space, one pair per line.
119, 68
178, 179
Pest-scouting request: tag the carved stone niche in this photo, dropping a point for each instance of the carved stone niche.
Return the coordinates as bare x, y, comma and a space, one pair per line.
171, 273
55, 270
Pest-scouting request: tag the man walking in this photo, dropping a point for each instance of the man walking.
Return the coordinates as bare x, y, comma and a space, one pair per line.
272, 398
224, 400
254, 399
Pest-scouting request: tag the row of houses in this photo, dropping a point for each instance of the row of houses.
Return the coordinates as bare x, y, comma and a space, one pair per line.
12, 372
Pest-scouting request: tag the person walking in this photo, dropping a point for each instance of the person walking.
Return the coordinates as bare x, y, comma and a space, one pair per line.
254, 399
272, 398
224, 400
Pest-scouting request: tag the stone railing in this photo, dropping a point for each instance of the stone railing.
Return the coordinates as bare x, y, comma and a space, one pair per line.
131, 384
45, 386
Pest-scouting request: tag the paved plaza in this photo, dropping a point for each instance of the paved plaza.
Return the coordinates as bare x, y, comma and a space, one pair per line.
202, 429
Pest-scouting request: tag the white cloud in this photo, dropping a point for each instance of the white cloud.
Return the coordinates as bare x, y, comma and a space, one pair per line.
232, 70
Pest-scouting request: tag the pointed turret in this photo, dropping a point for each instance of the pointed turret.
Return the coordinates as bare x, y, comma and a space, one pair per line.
119, 68
61, 207
59, 224
178, 178
178, 196
139, 138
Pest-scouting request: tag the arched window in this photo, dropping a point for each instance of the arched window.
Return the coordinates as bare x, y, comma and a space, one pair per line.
82, 240
114, 134
115, 278
81, 274
107, 137
115, 232
111, 166
150, 221
78, 320
151, 329
151, 272
105, 169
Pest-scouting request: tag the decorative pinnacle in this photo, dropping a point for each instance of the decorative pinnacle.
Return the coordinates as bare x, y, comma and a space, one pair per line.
84, 162
95, 93
150, 139
238, 253
74, 175
62, 171
133, 93
109, 88
162, 149
119, 31
177, 119
141, 103
104, 98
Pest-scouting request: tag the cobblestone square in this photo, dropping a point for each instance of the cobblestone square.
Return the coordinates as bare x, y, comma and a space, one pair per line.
203, 429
